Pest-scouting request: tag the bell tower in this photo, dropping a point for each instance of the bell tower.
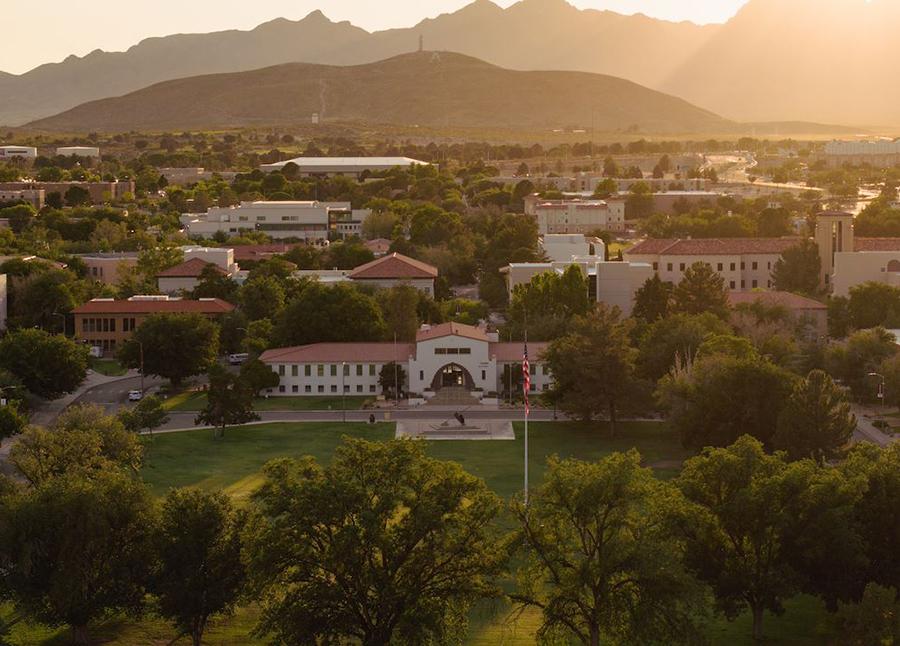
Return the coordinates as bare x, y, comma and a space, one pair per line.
834, 234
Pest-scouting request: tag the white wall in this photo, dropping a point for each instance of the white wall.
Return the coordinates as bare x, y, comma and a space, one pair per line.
3, 301
855, 268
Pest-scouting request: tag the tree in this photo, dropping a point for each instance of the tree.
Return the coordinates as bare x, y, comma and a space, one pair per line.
714, 401
547, 304
677, 337
606, 188
348, 255
751, 514
838, 317
76, 550
701, 290
853, 360
175, 346
816, 421
83, 441
12, 422
798, 269
652, 300
47, 365
213, 283
323, 313
874, 620
77, 196
399, 306
384, 545
257, 376
200, 571
229, 401
41, 299
593, 365
147, 415
262, 298
600, 561
872, 304
391, 379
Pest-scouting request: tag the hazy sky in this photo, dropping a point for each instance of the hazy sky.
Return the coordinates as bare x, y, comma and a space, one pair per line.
41, 32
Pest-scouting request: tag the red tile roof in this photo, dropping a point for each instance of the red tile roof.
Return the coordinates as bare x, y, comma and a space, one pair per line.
514, 351
190, 269
876, 244
341, 352
174, 306
784, 299
394, 266
262, 251
378, 245
713, 246
451, 329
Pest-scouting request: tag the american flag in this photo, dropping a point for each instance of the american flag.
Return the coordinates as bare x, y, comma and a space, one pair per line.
526, 379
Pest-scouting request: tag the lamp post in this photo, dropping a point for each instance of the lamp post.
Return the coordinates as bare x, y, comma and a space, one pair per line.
141, 347
343, 390
881, 388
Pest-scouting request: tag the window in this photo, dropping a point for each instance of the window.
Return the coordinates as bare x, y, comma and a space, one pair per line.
669, 266
533, 368
743, 266
334, 370
307, 388
281, 389
681, 267
770, 265
346, 369
544, 370
371, 389
755, 284
733, 266
731, 284
483, 375
720, 267
295, 371
371, 369
755, 266
333, 388
307, 370
281, 371
465, 350
743, 284
346, 388
295, 389
656, 266
359, 370
320, 370
359, 388
440, 350
321, 388
421, 375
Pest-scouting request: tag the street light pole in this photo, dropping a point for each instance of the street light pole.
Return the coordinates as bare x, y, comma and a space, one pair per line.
343, 389
881, 389
141, 346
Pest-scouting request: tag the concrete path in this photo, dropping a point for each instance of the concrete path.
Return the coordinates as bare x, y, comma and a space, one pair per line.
866, 431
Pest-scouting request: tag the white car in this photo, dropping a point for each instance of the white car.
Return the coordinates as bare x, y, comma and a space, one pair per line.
135, 395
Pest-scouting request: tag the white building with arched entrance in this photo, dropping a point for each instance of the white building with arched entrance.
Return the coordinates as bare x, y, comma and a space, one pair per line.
446, 356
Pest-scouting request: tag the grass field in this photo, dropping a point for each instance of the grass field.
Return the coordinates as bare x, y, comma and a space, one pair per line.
192, 401
233, 465
108, 367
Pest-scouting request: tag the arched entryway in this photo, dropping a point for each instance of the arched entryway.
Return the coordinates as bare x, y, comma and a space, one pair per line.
452, 376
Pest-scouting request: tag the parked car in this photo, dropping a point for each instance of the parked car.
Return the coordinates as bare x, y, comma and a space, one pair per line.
238, 359
135, 395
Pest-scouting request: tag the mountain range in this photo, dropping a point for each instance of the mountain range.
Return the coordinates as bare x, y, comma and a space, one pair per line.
809, 60
433, 89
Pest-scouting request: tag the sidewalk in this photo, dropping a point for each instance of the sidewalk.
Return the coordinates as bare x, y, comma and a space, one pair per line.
49, 411
868, 430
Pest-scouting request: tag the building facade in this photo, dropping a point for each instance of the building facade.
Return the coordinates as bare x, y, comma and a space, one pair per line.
576, 216
444, 356
342, 166
100, 192
12, 152
394, 270
30, 196
90, 152
106, 323
109, 268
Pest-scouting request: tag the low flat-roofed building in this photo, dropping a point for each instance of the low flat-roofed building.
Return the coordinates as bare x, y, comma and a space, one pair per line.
11, 152
107, 323
560, 247
109, 268
185, 277
451, 355
348, 166
744, 263
100, 192
33, 197
396, 269
576, 216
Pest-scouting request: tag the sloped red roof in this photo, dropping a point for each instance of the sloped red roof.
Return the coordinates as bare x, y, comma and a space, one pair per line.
394, 266
876, 244
190, 269
784, 299
713, 246
262, 251
174, 306
451, 329
341, 352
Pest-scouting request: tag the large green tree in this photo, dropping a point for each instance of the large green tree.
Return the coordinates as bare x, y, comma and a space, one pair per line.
147, 415
399, 306
798, 269
76, 550
384, 545
547, 304
701, 290
652, 300
599, 559
200, 572
229, 400
872, 304
714, 401
47, 365
675, 338
816, 421
262, 298
593, 366
172, 346
323, 313
853, 360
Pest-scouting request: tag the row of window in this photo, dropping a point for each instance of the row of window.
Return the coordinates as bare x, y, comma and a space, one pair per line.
753, 284
321, 389
453, 350
107, 325
332, 369
719, 267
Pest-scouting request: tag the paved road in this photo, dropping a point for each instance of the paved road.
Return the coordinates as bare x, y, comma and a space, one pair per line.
114, 395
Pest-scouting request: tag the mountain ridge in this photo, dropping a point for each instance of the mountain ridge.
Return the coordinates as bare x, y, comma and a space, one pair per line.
417, 89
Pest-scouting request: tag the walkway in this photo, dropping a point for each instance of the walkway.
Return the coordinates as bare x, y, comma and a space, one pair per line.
866, 431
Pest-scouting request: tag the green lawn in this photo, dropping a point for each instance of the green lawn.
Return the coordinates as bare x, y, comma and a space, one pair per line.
193, 400
108, 367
